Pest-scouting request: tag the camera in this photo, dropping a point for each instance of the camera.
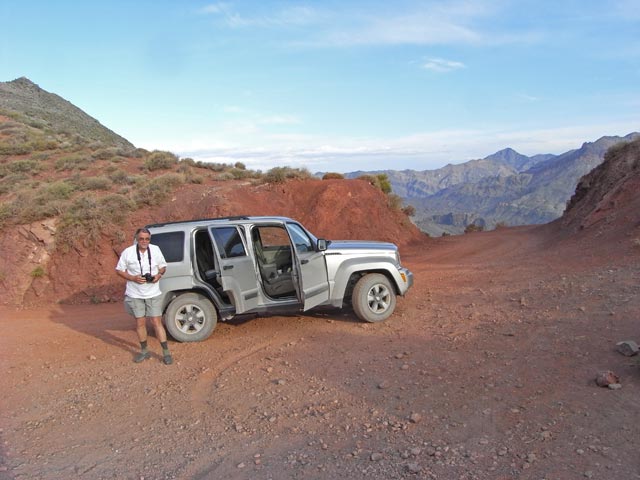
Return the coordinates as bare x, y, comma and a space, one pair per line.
148, 277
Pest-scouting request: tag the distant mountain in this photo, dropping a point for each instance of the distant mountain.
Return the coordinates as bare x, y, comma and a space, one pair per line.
35, 106
505, 187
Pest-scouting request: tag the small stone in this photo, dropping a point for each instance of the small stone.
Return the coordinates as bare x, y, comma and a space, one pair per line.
383, 385
415, 417
376, 457
415, 451
92, 357
241, 465
531, 457
607, 378
588, 474
628, 348
614, 386
413, 468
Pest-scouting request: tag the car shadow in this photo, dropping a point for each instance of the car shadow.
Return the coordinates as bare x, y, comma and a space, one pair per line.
107, 322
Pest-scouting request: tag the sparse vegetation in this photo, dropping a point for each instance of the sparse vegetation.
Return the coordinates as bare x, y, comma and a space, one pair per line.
472, 227
281, 174
409, 210
72, 162
333, 176
394, 201
157, 189
38, 272
380, 181
159, 160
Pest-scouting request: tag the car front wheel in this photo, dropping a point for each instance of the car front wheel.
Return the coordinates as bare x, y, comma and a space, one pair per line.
374, 298
190, 317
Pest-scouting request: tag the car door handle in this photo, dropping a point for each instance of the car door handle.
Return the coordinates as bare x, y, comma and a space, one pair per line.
227, 267
303, 262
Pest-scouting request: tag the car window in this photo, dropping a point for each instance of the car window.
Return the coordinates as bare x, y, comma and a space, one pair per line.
171, 245
229, 242
300, 238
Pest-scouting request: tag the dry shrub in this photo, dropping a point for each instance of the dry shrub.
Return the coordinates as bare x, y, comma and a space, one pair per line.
333, 176
159, 160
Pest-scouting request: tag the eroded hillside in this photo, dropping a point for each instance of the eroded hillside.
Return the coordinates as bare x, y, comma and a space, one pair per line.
83, 273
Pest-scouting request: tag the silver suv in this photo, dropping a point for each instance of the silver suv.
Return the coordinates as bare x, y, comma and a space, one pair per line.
222, 267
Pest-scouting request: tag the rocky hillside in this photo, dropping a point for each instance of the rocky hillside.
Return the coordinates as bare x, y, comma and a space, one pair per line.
26, 102
606, 201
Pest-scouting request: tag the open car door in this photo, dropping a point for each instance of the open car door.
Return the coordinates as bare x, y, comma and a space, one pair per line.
237, 273
313, 279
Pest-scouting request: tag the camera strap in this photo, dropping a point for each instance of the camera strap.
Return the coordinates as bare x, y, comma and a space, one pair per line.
140, 261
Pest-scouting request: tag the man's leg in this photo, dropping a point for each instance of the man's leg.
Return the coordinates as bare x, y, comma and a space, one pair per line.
161, 335
141, 329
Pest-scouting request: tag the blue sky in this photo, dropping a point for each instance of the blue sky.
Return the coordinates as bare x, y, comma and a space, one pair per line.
337, 85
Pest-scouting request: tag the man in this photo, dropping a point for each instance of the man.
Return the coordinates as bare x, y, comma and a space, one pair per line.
142, 265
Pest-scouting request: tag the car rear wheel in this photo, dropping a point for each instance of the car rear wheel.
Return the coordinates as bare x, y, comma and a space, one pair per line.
190, 317
374, 298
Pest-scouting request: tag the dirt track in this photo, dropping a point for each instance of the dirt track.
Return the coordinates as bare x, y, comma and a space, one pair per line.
486, 371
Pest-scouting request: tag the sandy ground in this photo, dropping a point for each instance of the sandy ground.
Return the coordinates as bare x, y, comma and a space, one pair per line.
485, 371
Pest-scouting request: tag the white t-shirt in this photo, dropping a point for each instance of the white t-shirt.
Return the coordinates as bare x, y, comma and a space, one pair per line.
129, 262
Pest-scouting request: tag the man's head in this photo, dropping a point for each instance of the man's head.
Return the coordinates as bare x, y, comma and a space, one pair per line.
143, 235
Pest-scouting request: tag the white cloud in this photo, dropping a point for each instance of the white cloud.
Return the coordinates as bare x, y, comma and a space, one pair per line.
441, 65
290, 16
420, 151
450, 23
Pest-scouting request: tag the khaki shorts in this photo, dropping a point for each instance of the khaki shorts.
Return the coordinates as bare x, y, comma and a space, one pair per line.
143, 307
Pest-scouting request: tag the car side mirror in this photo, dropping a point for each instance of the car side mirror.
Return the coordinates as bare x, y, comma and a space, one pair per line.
322, 244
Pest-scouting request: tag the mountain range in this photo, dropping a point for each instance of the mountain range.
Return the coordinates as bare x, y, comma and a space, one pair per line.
505, 188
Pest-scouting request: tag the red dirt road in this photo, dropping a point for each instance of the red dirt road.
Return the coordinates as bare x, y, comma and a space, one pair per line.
485, 371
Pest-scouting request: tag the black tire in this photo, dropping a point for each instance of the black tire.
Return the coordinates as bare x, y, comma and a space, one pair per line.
190, 317
374, 298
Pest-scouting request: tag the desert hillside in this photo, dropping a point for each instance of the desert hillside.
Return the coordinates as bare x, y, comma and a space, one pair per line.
333, 209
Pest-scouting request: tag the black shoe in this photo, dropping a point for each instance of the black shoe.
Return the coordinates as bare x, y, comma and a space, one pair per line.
141, 357
167, 359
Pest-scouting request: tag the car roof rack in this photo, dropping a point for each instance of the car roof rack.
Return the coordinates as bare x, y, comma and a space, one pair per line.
198, 220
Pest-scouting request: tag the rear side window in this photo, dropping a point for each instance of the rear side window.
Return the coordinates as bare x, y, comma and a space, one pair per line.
171, 244
229, 242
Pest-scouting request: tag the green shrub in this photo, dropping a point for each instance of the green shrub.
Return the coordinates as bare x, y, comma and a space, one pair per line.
105, 154
282, 174
157, 189
472, 227
394, 201
94, 183
12, 182
89, 216
59, 190
224, 176
24, 166
158, 160
380, 181
72, 162
333, 176
240, 166
409, 210
120, 177
38, 272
